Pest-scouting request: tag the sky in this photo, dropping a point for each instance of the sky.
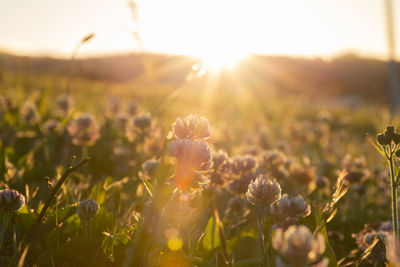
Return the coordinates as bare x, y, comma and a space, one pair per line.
196, 27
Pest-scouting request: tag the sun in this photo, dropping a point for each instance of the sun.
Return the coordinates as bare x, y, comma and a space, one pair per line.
216, 61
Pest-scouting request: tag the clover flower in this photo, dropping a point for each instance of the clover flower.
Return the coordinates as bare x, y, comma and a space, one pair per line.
11, 200
322, 182
191, 156
29, 113
142, 122
221, 168
236, 204
64, 105
121, 122
263, 191
392, 251
220, 162
50, 126
150, 166
87, 209
132, 108
289, 209
237, 211
273, 162
355, 168
240, 184
243, 164
366, 237
84, 130
298, 247
192, 127
302, 175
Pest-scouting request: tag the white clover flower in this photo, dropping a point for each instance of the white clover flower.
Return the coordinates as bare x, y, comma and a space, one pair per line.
29, 113
50, 126
192, 156
143, 121
87, 209
150, 166
64, 105
263, 191
192, 127
290, 208
11, 200
298, 247
84, 130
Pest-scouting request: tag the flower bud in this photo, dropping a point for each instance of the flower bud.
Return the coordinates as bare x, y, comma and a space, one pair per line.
389, 133
382, 139
87, 209
11, 200
396, 138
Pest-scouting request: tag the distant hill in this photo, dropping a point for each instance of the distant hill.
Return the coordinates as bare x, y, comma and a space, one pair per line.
344, 75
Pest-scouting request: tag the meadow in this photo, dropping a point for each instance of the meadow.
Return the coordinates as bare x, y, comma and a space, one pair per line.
204, 173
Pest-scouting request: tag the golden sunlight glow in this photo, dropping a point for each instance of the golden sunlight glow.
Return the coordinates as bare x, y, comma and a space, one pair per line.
196, 28
221, 60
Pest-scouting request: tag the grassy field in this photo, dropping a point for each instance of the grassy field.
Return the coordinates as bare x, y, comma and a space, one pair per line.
118, 174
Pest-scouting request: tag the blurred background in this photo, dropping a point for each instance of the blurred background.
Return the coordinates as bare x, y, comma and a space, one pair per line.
334, 50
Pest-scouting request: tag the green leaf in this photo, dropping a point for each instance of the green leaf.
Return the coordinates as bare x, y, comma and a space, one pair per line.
211, 239
321, 227
98, 193
376, 146
148, 186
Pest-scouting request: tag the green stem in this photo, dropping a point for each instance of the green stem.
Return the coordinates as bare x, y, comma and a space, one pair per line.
394, 200
55, 189
6, 219
263, 239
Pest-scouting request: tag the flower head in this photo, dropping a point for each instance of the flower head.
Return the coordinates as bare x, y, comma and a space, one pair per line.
297, 246
289, 209
302, 175
143, 122
243, 164
29, 113
193, 127
132, 107
393, 251
221, 162
263, 191
87, 209
191, 156
64, 105
366, 238
50, 126
150, 166
84, 130
11, 200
